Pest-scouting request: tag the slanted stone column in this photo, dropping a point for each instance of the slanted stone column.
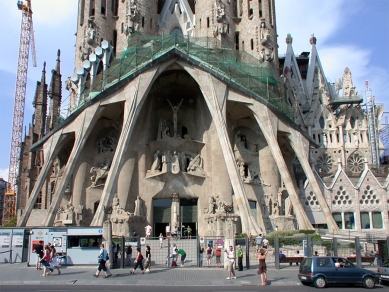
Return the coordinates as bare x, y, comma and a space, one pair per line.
300, 146
84, 123
268, 123
53, 147
215, 95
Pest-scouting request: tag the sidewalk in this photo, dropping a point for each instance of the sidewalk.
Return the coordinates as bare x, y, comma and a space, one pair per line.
16, 274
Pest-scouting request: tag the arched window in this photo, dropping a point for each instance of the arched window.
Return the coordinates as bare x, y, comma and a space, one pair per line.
177, 31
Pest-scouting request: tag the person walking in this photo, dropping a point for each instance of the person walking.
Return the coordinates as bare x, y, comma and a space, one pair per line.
258, 240
138, 261
240, 258
54, 259
231, 261
209, 255
38, 249
189, 232
201, 255
129, 254
261, 256
218, 255
45, 261
265, 243
148, 230
147, 266
102, 260
160, 240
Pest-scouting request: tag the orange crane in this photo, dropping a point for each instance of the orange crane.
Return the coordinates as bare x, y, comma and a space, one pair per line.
26, 40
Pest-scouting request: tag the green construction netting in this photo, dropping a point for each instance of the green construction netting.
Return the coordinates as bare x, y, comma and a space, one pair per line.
236, 66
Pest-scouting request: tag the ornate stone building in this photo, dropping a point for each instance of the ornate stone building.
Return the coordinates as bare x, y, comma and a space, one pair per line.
182, 113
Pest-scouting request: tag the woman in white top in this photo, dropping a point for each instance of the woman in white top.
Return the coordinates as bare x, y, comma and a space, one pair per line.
160, 240
231, 260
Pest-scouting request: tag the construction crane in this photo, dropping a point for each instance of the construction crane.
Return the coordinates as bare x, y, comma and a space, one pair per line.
26, 41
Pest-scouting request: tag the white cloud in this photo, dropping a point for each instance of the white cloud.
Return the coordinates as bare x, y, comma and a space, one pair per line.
53, 12
4, 174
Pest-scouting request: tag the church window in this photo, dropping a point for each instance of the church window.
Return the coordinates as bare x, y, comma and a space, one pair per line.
81, 12
365, 220
349, 220
321, 122
151, 23
92, 8
143, 21
377, 220
242, 45
338, 219
252, 44
237, 40
207, 22
103, 7
352, 122
115, 7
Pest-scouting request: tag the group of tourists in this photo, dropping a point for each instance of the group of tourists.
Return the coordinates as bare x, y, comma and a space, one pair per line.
46, 257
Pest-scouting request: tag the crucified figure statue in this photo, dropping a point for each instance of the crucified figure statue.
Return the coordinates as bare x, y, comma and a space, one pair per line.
175, 112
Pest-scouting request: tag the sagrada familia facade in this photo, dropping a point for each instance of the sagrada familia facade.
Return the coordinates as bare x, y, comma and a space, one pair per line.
182, 113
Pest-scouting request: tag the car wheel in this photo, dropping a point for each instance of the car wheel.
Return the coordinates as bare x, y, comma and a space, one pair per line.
368, 282
320, 282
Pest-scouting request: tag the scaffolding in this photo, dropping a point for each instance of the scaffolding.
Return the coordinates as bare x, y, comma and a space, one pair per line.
384, 136
239, 67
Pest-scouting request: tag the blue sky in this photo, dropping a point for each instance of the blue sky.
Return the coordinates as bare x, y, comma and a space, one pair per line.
352, 34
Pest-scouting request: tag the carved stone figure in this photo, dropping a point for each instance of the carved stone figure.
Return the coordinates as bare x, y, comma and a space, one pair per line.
100, 173
79, 214
90, 33
211, 205
288, 207
175, 114
156, 166
139, 207
267, 47
276, 208
175, 163
221, 27
184, 161
132, 18
356, 140
195, 166
106, 145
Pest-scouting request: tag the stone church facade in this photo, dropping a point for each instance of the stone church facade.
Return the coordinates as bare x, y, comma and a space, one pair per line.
181, 113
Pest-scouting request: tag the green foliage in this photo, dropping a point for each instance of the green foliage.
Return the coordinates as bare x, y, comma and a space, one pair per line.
327, 244
242, 235
292, 237
12, 222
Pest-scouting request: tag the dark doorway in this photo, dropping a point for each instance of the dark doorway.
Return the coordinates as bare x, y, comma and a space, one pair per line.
188, 208
160, 228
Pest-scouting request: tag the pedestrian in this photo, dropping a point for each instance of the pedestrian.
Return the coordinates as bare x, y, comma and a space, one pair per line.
261, 256
102, 260
201, 255
209, 255
231, 261
134, 237
45, 261
218, 255
265, 243
316, 254
147, 266
189, 232
258, 240
250, 240
281, 255
167, 230
38, 249
276, 229
54, 259
148, 230
114, 251
129, 254
160, 240
138, 261
183, 256
240, 257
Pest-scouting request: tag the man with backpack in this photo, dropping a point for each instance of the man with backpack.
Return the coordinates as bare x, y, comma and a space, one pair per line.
218, 254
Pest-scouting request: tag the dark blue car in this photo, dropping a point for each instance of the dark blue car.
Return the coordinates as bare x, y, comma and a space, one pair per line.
321, 271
